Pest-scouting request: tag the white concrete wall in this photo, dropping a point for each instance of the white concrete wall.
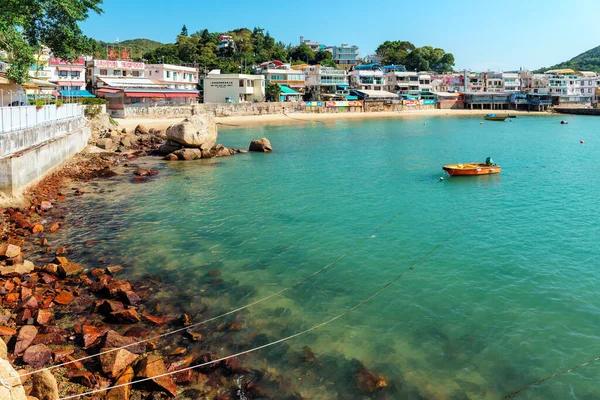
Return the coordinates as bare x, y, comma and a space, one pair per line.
37, 151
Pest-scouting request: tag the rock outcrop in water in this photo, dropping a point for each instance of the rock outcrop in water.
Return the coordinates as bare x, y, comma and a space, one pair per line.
261, 145
197, 131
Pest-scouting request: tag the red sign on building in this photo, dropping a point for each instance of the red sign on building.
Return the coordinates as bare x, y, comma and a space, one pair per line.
60, 61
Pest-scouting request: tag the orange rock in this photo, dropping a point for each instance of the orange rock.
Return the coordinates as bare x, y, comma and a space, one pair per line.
9, 250
156, 320
115, 362
37, 228
152, 366
92, 335
123, 392
25, 337
54, 227
6, 331
64, 297
60, 251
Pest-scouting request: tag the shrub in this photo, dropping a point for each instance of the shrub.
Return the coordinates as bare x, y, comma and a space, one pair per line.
91, 111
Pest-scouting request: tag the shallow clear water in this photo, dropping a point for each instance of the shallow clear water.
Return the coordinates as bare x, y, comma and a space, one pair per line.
509, 299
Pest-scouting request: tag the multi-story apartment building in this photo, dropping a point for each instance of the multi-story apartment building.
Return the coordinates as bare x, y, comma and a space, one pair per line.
41, 71
314, 46
173, 76
493, 81
345, 55
447, 83
326, 82
533, 83
588, 82
67, 75
475, 82
282, 74
424, 82
511, 82
367, 77
101, 73
565, 87
401, 82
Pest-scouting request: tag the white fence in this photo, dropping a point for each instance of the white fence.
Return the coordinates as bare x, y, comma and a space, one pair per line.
22, 117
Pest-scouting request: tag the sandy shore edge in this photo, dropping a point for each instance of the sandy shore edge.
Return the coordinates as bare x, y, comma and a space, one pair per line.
278, 119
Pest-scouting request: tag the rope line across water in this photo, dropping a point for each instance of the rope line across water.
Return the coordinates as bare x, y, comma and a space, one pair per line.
312, 328
236, 310
564, 371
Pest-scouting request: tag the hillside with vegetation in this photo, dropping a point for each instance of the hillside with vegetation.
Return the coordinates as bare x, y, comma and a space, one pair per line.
246, 47
588, 61
136, 47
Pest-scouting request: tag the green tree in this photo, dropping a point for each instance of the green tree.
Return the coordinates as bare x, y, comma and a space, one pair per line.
184, 31
26, 25
302, 53
328, 63
321, 56
394, 52
272, 92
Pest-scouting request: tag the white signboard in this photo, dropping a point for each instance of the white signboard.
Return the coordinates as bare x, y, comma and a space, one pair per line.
118, 64
220, 84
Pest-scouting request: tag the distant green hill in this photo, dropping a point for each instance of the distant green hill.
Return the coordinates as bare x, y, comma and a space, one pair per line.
588, 61
137, 47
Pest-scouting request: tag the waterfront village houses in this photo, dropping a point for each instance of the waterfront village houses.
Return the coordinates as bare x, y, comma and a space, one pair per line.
69, 77
233, 88
345, 55
398, 80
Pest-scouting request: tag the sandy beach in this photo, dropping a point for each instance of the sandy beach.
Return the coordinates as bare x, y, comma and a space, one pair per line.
248, 120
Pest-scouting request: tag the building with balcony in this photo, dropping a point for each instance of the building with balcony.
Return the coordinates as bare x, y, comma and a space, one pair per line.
345, 55
69, 77
565, 87
314, 46
475, 82
533, 83
511, 81
41, 71
493, 82
233, 88
424, 82
173, 76
402, 82
101, 73
367, 77
283, 74
327, 82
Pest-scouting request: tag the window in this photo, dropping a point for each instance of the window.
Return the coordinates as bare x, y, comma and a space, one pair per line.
174, 76
136, 73
103, 72
241, 83
117, 72
63, 74
150, 73
168, 74
184, 76
248, 83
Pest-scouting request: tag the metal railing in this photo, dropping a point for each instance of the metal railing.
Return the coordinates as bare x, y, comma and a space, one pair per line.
22, 117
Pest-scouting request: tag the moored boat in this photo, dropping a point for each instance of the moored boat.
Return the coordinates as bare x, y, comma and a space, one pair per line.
494, 117
487, 168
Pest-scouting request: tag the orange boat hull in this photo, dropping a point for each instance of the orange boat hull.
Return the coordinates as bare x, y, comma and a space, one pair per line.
471, 169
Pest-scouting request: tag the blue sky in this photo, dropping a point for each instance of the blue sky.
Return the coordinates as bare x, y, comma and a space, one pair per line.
482, 35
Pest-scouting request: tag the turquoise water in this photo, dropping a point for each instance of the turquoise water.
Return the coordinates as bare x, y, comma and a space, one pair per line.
509, 299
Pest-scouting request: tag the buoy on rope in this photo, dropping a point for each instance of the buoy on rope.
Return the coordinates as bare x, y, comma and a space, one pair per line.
441, 178
481, 123
581, 141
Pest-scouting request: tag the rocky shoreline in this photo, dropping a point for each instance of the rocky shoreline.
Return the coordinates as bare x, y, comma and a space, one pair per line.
56, 311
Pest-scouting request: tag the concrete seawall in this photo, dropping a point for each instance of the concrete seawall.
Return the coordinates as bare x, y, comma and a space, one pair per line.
577, 111
27, 155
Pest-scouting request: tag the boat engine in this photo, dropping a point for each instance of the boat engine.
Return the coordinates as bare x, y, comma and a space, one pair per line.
489, 162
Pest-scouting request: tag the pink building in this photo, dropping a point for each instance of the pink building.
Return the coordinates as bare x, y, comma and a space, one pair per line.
173, 76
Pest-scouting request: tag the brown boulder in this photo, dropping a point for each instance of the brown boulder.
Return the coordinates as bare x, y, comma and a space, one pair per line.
6, 331
15, 390
50, 338
261, 145
369, 382
141, 130
64, 297
153, 366
156, 320
104, 143
188, 154
171, 157
37, 229
122, 392
25, 337
114, 362
84, 378
9, 250
113, 340
128, 316
92, 335
169, 147
132, 298
67, 268
37, 356
118, 288
114, 269
221, 151
44, 386
44, 316
107, 306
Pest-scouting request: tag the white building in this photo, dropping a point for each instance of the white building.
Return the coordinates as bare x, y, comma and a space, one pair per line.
588, 83
367, 77
102, 73
402, 82
233, 88
173, 76
493, 81
68, 76
511, 81
424, 82
326, 82
565, 86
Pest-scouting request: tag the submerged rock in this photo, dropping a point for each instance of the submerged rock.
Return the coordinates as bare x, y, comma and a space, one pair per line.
151, 367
